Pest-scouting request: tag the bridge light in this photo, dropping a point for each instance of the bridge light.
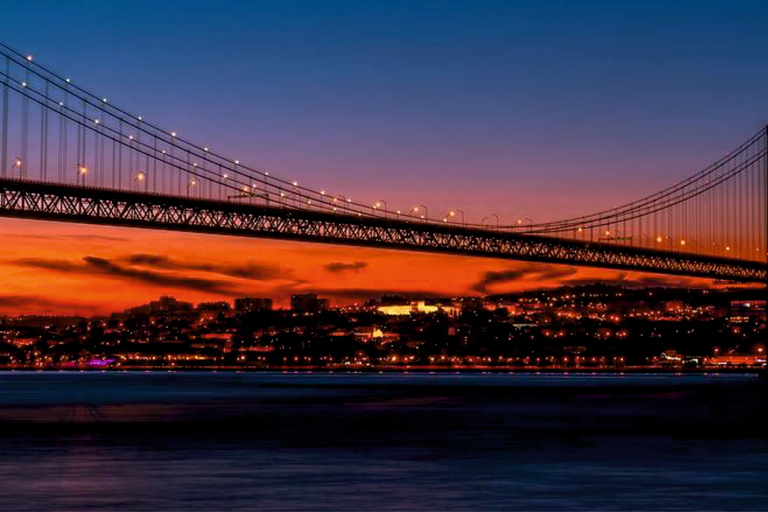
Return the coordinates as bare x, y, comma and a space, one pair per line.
139, 118
29, 58
658, 239
728, 248
398, 212
225, 176
445, 220
580, 230
96, 121
81, 169
607, 232
266, 173
130, 137
173, 134
68, 80
519, 221
237, 162
205, 149
192, 183
295, 183
322, 192
104, 100
23, 84
61, 103
140, 176
17, 163
682, 242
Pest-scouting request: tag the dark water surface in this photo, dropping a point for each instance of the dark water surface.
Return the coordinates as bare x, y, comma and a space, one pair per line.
203, 441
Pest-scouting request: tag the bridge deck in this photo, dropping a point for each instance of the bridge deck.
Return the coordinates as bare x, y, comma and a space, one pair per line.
65, 203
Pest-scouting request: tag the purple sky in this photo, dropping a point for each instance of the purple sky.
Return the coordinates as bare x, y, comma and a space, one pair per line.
542, 109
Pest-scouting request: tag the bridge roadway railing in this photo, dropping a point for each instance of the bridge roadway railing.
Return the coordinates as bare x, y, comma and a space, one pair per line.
89, 205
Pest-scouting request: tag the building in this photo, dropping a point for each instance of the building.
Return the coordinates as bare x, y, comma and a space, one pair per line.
165, 304
416, 307
245, 305
308, 303
746, 310
220, 307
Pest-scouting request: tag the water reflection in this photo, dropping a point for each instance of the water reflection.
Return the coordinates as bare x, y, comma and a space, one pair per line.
427, 442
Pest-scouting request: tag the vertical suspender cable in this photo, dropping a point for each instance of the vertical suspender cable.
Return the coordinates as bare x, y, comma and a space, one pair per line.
4, 124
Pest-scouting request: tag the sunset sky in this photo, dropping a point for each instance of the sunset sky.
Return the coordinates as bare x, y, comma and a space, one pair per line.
538, 109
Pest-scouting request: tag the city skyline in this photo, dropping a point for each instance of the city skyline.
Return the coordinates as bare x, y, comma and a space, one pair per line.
584, 327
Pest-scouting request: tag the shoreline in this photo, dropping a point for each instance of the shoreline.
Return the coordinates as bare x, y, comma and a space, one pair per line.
762, 372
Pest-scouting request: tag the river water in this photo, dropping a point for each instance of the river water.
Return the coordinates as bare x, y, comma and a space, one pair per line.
297, 441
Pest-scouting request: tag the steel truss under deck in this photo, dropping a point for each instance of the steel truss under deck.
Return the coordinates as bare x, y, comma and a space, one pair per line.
53, 202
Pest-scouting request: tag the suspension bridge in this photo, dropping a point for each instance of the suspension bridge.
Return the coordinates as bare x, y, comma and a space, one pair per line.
69, 155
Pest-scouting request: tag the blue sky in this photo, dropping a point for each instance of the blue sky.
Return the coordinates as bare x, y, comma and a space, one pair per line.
543, 109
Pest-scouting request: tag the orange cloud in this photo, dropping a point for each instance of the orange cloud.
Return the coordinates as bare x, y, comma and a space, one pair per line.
70, 268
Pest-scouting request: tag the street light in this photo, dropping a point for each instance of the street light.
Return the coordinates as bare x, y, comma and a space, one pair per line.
528, 219
17, 164
415, 209
141, 177
82, 170
453, 213
482, 222
296, 195
378, 204
343, 200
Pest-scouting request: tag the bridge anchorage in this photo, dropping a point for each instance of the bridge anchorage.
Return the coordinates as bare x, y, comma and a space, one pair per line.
67, 154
